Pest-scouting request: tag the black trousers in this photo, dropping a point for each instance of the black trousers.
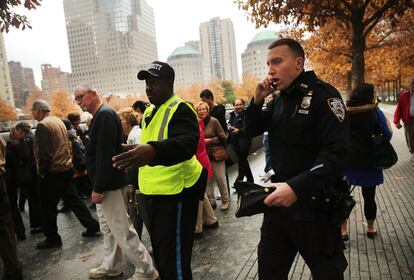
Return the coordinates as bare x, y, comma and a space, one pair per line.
36, 216
14, 208
12, 266
283, 236
171, 222
56, 186
242, 148
370, 206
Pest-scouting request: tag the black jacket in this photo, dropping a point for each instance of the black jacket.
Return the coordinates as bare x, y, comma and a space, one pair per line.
361, 140
182, 142
219, 112
308, 135
239, 122
105, 139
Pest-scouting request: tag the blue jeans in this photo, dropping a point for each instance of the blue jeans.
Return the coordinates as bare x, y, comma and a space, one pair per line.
266, 148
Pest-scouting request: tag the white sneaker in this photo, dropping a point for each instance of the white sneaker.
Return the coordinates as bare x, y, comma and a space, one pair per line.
100, 272
268, 175
153, 276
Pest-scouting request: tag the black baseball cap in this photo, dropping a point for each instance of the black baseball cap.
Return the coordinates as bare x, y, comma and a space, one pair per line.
157, 69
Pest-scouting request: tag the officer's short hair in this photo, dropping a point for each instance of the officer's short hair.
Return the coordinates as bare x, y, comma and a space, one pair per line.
206, 93
41, 105
293, 45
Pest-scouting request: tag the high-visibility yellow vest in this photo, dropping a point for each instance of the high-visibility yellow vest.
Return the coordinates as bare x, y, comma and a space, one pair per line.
159, 179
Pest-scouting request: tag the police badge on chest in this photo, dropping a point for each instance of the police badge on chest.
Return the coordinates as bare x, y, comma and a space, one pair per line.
306, 101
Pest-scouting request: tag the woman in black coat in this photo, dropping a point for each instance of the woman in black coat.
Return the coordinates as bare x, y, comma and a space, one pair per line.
241, 142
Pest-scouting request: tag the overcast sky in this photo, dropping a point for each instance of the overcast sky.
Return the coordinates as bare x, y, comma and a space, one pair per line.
177, 21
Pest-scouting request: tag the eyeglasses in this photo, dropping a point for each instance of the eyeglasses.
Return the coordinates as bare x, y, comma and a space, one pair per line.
80, 96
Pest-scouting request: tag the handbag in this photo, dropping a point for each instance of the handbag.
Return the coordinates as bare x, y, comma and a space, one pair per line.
251, 198
383, 155
217, 153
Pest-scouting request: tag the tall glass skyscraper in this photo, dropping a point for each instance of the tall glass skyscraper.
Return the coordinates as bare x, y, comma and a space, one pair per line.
6, 92
218, 46
109, 42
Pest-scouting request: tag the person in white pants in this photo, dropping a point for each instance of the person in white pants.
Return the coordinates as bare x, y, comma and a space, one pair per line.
109, 192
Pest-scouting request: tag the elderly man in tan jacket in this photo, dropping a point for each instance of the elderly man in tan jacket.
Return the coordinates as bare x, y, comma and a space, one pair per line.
54, 163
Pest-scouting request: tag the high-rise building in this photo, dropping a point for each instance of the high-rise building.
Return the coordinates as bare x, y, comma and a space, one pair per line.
54, 79
218, 47
6, 92
255, 56
189, 66
109, 42
194, 44
22, 79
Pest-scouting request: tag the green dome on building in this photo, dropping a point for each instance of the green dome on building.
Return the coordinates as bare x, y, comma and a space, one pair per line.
185, 51
265, 37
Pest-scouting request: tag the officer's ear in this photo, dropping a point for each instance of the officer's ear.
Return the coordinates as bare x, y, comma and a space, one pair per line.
299, 63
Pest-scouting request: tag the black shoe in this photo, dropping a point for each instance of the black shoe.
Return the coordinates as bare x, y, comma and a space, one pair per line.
198, 235
371, 234
212, 226
45, 244
91, 233
64, 209
35, 230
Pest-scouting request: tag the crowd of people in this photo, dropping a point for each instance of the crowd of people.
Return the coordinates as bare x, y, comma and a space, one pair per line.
157, 165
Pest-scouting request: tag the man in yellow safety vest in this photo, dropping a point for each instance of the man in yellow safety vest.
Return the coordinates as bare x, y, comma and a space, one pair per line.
170, 178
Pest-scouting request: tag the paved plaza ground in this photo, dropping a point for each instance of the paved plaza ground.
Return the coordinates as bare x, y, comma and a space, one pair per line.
230, 251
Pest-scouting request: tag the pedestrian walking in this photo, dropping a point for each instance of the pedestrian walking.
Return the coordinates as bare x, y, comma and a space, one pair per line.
55, 169
405, 112
365, 117
109, 191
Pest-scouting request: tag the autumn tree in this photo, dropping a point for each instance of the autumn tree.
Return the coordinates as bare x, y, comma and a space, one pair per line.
34, 94
217, 89
9, 18
7, 112
62, 104
228, 88
245, 90
192, 92
360, 17
388, 53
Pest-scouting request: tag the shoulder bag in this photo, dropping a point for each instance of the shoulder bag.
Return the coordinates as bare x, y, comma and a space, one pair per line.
383, 155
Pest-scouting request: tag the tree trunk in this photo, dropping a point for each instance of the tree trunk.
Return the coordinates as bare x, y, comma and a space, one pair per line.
358, 49
349, 82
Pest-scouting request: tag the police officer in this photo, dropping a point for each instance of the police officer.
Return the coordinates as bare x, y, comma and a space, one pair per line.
170, 178
308, 137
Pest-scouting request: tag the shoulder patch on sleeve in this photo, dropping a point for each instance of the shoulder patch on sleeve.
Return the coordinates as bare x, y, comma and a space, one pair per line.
337, 107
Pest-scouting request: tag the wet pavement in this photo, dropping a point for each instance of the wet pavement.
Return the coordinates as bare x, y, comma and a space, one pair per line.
230, 251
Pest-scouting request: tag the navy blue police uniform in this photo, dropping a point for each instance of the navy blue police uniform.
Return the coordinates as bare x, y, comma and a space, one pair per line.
308, 135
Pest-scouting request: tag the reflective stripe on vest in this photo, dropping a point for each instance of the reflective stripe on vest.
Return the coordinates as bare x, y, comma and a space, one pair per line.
159, 179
